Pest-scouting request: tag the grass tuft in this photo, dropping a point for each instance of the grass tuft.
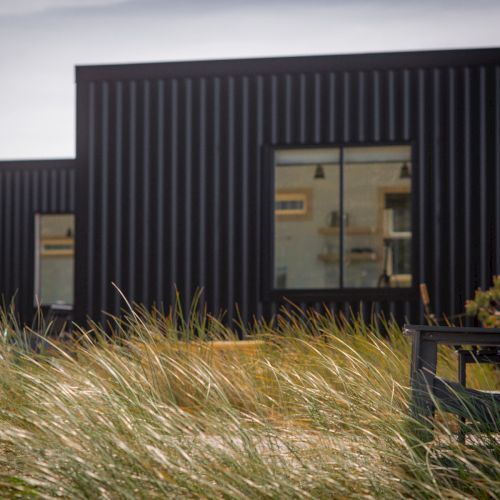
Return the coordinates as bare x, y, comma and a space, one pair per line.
313, 406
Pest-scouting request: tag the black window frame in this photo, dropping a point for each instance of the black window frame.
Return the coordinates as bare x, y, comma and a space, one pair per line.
35, 245
268, 290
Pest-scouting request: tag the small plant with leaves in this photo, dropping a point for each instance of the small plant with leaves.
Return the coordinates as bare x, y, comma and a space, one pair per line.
486, 305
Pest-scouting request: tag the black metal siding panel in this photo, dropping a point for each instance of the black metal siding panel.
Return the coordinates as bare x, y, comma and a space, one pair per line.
496, 166
173, 171
28, 188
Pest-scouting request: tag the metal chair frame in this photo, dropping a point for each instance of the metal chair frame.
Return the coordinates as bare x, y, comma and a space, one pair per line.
423, 377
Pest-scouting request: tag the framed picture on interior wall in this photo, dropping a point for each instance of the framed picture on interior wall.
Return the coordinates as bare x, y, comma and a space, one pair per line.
293, 204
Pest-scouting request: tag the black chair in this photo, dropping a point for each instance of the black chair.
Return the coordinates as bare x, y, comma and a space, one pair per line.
427, 389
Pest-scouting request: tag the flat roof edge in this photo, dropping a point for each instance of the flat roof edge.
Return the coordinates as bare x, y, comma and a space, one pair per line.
292, 64
45, 163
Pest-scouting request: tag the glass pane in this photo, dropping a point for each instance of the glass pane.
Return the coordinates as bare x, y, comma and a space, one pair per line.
307, 219
56, 259
377, 201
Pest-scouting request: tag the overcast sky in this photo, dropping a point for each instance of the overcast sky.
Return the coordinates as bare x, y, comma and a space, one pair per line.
42, 40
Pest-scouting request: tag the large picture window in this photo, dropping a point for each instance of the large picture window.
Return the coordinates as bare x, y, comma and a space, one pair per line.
353, 228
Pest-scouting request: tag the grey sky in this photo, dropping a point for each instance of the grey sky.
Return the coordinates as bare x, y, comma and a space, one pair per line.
42, 40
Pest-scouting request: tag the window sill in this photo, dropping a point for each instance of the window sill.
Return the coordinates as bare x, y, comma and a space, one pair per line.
398, 294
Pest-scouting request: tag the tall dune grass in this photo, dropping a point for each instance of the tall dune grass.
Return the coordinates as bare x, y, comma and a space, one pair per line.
315, 406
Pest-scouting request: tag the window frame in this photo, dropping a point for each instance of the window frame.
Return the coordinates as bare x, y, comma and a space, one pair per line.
37, 255
270, 292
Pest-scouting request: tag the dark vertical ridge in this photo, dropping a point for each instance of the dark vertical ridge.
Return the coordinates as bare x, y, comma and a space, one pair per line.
288, 118
303, 110
346, 100
437, 194
361, 132
28, 242
407, 118
216, 228
452, 190
391, 112
376, 100
187, 195
202, 186
89, 229
173, 187
104, 213
497, 167
118, 274
467, 181
255, 200
16, 233
145, 174
229, 195
318, 96
160, 195
483, 199
422, 176
9, 289
244, 190
331, 107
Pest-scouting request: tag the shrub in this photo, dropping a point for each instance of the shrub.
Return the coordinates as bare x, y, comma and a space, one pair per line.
486, 305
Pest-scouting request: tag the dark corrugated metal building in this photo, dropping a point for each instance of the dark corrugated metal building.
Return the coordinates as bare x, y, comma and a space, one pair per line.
209, 175
176, 173
28, 189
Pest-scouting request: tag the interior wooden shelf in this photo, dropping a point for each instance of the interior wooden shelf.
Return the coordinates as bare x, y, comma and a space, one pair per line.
57, 246
348, 230
57, 240
349, 257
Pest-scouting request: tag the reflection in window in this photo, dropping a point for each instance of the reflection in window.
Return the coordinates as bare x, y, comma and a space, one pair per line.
363, 242
54, 283
297, 242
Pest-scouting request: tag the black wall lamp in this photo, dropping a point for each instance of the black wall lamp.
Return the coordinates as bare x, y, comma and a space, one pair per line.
405, 171
319, 173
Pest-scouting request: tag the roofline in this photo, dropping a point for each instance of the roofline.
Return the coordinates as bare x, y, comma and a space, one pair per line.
38, 164
294, 64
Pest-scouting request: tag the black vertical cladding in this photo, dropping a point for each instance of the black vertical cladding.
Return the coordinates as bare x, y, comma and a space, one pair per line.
496, 167
436, 222
451, 167
203, 156
152, 216
121, 203
474, 179
492, 171
28, 188
221, 253
183, 178
179, 240
170, 117
161, 190
112, 131
215, 202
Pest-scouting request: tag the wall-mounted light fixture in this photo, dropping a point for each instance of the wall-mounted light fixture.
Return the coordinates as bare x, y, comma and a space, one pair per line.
319, 173
405, 171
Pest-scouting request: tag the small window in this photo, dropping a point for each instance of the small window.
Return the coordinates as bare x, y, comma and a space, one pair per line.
54, 264
342, 217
